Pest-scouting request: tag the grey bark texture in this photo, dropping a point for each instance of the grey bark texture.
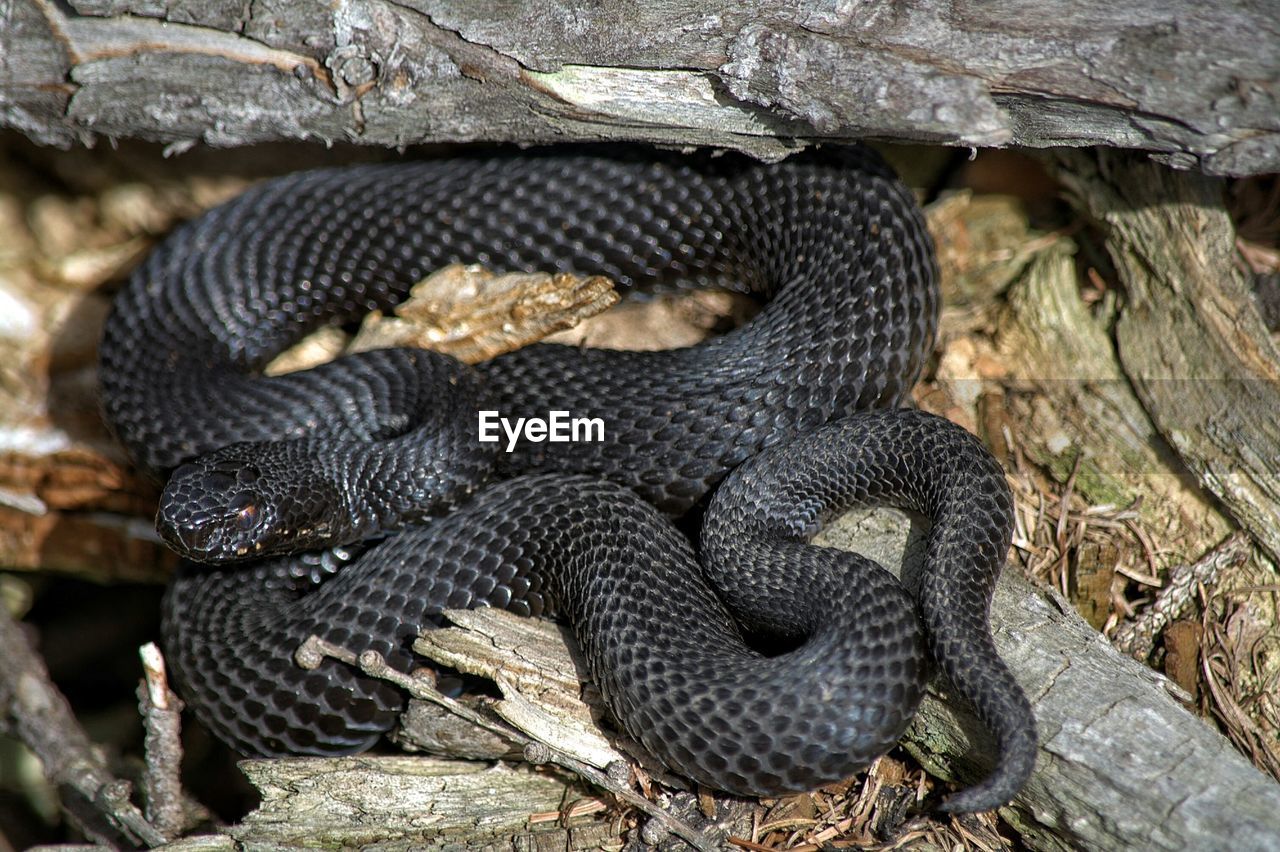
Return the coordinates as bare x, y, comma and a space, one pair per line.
96, 803
1190, 337
1198, 85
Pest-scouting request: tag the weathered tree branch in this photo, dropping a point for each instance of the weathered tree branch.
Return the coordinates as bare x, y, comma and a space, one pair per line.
34, 711
1198, 86
1190, 336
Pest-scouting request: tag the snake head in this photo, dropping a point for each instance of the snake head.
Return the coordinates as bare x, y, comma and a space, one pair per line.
243, 503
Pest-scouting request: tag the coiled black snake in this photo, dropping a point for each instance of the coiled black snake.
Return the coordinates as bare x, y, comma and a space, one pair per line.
793, 417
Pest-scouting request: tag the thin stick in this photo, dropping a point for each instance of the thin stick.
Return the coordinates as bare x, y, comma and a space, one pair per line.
1137, 638
162, 719
32, 709
373, 664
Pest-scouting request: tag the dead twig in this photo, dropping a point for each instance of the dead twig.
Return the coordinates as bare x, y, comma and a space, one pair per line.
314, 650
1137, 638
167, 806
1231, 675
35, 711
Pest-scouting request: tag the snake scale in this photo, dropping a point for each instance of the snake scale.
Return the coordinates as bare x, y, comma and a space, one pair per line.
353, 501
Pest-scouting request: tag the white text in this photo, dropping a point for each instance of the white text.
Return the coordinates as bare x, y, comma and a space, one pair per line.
557, 427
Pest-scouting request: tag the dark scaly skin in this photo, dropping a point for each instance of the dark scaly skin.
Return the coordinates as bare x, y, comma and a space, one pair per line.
710, 708
838, 240
761, 516
834, 243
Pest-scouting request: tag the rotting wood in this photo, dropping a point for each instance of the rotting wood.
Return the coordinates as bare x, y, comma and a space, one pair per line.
1083, 416
38, 715
1056, 392
402, 802
469, 313
1122, 764
616, 780
1197, 88
537, 675
1189, 335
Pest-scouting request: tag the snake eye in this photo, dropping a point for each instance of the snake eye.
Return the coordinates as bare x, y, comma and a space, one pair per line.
246, 512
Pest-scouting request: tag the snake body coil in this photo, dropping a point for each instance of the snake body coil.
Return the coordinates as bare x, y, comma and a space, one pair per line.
791, 416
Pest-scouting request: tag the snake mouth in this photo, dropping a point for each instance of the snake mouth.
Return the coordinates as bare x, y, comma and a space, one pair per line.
211, 535
201, 541
192, 541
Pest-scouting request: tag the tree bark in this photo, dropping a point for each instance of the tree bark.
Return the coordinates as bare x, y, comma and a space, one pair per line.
1196, 86
1190, 336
